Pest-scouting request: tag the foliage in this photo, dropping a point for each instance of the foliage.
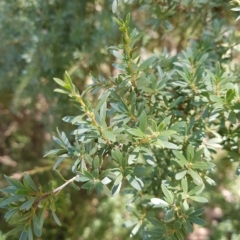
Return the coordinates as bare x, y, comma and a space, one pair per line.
155, 128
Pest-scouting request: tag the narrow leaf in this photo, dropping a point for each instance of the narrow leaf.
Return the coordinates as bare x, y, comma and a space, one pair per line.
56, 219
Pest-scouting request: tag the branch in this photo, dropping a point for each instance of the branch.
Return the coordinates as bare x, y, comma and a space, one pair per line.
56, 190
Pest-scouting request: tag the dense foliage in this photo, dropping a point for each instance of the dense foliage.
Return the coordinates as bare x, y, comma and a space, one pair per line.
158, 128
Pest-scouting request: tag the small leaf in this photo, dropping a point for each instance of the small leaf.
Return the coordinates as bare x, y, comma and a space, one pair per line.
197, 179
180, 175
147, 63
10, 213
196, 220
116, 54
177, 225
14, 231
116, 189
159, 203
203, 165
109, 135
30, 234
28, 204
24, 235
135, 229
179, 235
56, 219
59, 82
135, 182
188, 227
197, 190
180, 157
198, 199
169, 196
184, 185
59, 161
61, 91
169, 216
14, 182
143, 122
103, 98
190, 152
117, 185
37, 226
12, 199
136, 132
170, 145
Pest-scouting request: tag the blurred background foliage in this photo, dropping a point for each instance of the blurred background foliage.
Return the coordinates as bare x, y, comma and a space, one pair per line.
40, 39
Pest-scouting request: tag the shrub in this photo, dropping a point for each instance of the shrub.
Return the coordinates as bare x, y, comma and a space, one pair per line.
152, 135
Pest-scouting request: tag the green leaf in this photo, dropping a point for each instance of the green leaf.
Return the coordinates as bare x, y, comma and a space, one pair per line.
30, 234
135, 182
197, 190
56, 219
96, 163
182, 160
190, 153
143, 122
109, 135
197, 212
179, 236
169, 216
30, 182
230, 95
103, 99
107, 191
198, 199
169, 196
180, 175
24, 235
59, 82
59, 90
28, 204
104, 173
37, 226
135, 229
117, 185
196, 220
197, 179
14, 182
59, 161
170, 145
116, 54
147, 63
10, 213
68, 79
203, 165
6, 201
88, 175
184, 185
159, 203
188, 227
117, 156
177, 225
14, 230
232, 117
55, 152
136, 132
216, 99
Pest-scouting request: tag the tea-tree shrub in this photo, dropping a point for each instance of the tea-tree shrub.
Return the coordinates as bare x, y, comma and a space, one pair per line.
152, 135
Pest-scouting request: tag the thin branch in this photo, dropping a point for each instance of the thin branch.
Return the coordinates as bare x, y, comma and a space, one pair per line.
64, 185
